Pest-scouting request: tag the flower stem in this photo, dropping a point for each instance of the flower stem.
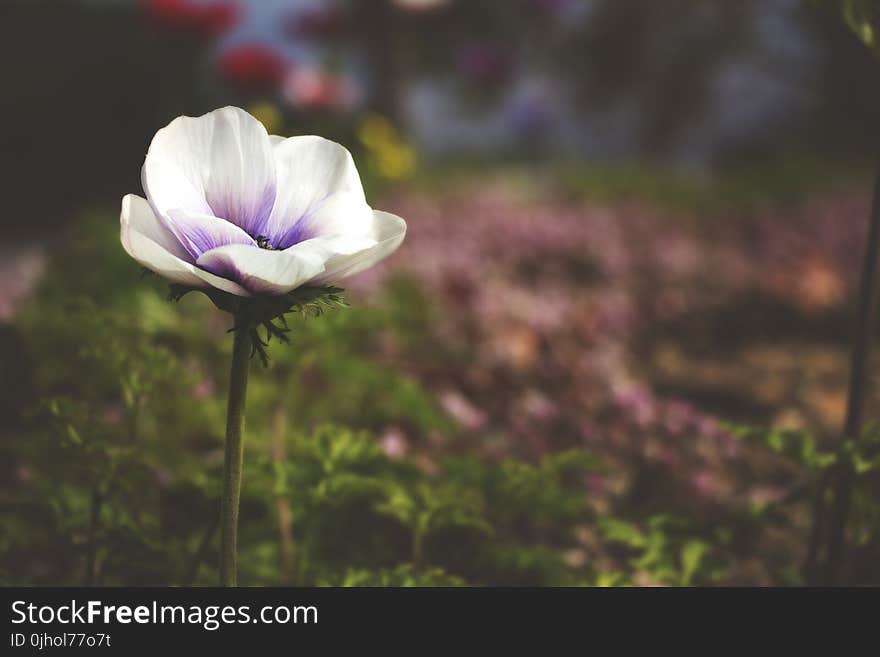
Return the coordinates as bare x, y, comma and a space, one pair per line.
869, 299
833, 502
234, 454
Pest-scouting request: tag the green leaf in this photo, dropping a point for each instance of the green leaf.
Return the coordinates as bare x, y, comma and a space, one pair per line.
692, 554
620, 531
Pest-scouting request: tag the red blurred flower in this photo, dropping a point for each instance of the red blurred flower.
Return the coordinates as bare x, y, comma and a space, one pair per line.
309, 88
203, 20
253, 68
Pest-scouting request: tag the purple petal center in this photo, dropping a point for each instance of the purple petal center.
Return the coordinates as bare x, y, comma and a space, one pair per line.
300, 229
251, 216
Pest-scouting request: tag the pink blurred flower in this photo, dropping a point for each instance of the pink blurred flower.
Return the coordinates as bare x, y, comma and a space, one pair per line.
638, 402
557, 295
538, 406
462, 411
21, 269
703, 482
678, 416
204, 389
310, 88
420, 5
394, 443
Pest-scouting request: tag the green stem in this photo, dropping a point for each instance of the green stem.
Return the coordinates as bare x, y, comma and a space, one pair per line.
234, 453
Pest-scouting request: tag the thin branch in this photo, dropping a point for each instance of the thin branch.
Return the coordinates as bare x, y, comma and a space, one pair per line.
202, 550
842, 475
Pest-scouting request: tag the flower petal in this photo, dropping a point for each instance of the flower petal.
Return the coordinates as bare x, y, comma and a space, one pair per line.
147, 240
309, 170
388, 231
261, 271
220, 163
341, 213
137, 215
167, 186
202, 232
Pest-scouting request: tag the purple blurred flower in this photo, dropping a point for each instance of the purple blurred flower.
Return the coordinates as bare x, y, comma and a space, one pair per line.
324, 23
483, 63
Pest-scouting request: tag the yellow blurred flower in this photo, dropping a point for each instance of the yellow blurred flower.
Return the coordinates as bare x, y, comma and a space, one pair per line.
396, 161
391, 156
269, 115
376, 130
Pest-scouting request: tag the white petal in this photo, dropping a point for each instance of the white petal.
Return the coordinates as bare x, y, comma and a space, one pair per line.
310, 169
336, 245
343, 213
261, 271
137, 215
388, 231
220, 163
340, 214
147, 241
167, 187
199, 233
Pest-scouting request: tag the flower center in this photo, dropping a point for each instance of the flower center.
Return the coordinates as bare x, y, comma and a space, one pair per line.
263, 242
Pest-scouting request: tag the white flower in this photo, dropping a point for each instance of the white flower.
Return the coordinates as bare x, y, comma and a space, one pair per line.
232, 207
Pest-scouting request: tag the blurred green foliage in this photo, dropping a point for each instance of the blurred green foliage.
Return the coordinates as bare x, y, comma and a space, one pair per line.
815, 466
115, 464
113, 460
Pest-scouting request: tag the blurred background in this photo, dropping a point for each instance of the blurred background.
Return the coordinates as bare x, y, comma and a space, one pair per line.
612, 350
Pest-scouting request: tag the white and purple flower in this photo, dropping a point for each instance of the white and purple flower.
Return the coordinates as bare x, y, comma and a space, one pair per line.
231, 207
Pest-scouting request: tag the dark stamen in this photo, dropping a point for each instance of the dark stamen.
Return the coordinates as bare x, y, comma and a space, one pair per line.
263, 243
